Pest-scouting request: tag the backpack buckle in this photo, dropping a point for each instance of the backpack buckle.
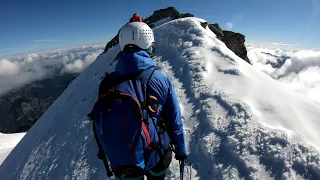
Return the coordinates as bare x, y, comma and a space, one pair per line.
153, 100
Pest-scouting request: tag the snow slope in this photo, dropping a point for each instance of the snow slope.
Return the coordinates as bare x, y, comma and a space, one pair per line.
239, 122
7, 143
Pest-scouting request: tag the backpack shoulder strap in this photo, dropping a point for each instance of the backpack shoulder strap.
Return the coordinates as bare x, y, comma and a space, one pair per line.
148, 81
145, 77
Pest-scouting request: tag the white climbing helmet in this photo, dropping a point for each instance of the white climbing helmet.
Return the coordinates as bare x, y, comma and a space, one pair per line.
136, 33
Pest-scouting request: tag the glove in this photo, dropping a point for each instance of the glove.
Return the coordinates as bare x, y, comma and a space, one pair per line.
180, 157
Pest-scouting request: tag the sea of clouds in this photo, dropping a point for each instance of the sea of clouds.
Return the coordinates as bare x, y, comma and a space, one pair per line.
297, 69
18, 71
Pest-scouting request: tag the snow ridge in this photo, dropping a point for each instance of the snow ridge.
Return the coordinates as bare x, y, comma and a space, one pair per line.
232, 144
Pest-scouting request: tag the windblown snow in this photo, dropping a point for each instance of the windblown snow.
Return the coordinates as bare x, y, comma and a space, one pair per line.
239, 122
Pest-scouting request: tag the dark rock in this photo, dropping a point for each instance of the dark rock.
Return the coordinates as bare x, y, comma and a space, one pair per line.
217, 30
113, 42
204, 24
187, 15
163, 13
235, 42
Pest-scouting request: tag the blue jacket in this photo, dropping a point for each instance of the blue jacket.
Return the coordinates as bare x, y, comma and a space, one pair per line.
162, 88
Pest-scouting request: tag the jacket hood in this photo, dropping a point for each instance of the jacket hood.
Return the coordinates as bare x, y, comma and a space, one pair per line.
134, 62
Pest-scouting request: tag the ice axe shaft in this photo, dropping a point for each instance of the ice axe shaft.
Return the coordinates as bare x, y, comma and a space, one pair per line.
181, 169
182, 164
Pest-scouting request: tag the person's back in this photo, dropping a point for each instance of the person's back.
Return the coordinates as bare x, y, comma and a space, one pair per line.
135, 58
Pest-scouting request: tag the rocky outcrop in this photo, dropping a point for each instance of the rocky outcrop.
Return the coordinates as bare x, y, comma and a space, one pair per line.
113, 42
217, 30
234, 41
164, 13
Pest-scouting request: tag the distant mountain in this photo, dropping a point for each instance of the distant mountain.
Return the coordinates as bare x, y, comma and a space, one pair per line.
21, 108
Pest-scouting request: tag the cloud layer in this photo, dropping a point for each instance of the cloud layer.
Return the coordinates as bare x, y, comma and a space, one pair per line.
18, 71
298, 70
8, 68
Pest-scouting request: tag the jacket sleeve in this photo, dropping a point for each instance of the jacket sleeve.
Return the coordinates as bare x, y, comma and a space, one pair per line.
172, 119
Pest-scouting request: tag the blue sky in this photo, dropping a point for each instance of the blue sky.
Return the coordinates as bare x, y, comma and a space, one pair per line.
30, 25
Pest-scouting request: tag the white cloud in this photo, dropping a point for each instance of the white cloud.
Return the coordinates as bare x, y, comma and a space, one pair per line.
75, 67
229, 25
298, 70
19, 71
281, 44
273, 45
8, 68
302, 60
306, 82
80, 64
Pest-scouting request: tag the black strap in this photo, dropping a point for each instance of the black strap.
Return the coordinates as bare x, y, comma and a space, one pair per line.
148, 81
103, 156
